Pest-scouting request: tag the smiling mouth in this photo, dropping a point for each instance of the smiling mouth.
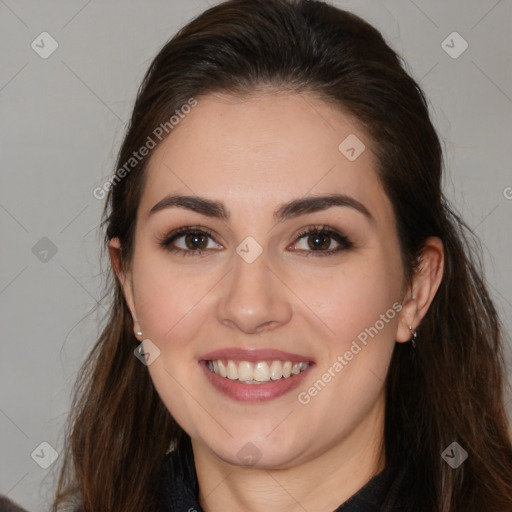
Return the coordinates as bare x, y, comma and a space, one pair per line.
258, 372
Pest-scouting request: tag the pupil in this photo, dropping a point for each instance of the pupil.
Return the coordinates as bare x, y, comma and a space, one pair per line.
317, 241
197, 241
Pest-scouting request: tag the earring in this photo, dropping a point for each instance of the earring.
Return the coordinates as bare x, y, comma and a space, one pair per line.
414, 335
139, 334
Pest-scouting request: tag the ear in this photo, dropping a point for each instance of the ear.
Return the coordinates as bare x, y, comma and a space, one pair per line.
124, 278
423, 288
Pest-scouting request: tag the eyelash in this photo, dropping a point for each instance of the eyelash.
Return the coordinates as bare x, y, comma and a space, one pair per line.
343, 241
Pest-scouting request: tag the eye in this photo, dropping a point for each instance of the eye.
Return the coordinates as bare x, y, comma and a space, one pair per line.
313, 241
319, 241
189, 241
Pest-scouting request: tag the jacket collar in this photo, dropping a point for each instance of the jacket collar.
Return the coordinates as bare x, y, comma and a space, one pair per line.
179, 489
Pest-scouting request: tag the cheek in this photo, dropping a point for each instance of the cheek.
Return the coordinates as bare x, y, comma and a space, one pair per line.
354, 299
172, 304
169, 297
360, 306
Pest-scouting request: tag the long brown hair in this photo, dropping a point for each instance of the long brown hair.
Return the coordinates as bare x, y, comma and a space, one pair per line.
450, 388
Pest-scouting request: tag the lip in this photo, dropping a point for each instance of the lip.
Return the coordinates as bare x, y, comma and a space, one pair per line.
255, 355
254, 393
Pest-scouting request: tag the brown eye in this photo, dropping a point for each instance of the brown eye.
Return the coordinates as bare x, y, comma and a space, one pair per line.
195, 240
319, 241
322, 241
189, 241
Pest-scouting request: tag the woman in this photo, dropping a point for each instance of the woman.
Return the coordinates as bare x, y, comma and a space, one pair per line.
298, 322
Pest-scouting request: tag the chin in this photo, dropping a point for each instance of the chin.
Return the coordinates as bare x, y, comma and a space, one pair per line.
259, 451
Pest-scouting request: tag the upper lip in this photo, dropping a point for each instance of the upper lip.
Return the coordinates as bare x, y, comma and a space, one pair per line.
254, 355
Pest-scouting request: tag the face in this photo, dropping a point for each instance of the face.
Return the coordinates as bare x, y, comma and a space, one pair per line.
259, 269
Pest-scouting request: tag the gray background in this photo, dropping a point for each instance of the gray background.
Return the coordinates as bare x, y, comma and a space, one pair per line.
63, 119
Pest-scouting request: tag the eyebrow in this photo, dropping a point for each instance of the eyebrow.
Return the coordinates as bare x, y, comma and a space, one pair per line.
292, 209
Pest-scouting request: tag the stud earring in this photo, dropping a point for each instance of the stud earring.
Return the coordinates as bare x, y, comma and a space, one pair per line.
139, 334
414, 335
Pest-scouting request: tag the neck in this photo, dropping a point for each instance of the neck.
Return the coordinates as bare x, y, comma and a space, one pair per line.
322, 483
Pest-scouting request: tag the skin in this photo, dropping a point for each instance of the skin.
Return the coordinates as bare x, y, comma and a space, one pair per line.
255, 154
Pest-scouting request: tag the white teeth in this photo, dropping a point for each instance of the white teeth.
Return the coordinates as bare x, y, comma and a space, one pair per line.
222, 369
253, 373
245, 371
296, 368
232, 371
261, 372
276, 370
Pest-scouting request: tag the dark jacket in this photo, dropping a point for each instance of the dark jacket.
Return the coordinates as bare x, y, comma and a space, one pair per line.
6, 505
386, 492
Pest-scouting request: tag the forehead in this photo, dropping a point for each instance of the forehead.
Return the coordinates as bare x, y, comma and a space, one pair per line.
260, 150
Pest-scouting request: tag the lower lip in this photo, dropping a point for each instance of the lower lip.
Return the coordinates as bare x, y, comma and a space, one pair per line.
242, 392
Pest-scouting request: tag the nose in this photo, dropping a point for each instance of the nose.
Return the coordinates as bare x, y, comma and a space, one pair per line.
254, 299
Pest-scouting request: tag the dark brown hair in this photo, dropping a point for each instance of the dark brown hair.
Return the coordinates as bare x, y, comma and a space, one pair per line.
449, 389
